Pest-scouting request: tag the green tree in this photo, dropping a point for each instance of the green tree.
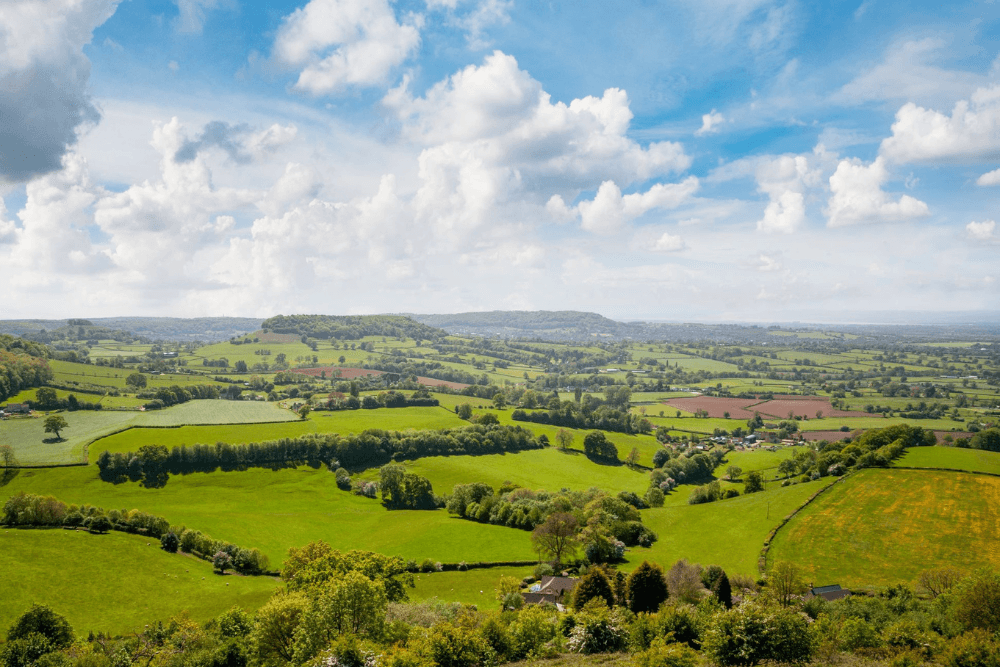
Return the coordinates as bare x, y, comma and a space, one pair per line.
347, 604
786, 582
557, 536
646, 588
751, 633
464, 411
46, 398
593, 585
564, 439
221, 562
723, 591
7, 457
42, 620
304, 412
508, 593
733, 473
170, 542
597, 446
274, 632
136, 381
499, 401
977, 601
754, 482
55, 424
100, 525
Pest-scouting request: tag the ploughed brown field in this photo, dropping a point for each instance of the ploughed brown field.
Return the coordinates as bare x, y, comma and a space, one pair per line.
744, 408
352, 373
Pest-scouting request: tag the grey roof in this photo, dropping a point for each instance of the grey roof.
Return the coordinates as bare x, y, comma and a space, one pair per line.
558, 585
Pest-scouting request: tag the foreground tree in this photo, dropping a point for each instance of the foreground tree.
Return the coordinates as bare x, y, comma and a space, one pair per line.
785, 581
977, 601
556, 537
55, 424
42, 620
593, 585
646, 588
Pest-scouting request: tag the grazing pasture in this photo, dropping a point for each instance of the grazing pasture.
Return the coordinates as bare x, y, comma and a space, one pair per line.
114, 583
971, 460
275, 510
882, 527
729, 533
476, 586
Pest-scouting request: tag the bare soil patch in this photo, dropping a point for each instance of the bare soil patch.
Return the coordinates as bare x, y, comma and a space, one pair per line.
715, 406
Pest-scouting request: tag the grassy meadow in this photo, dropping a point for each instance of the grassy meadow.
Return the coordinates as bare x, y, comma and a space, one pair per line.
114, 583
882, 527
971, 460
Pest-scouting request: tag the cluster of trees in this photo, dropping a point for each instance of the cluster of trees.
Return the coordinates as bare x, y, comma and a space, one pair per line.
351, 327
47, 399
372, 448
20, 370
577, 415
24, 509
686, 468
386, 399
351, 610
431, 369
599, 524
405, 490
164, 397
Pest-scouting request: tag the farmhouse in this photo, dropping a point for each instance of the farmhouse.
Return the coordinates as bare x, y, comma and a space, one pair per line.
550, 590
16, 409
830, 593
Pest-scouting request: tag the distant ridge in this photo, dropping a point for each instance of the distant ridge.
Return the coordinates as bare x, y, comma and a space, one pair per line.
206, 329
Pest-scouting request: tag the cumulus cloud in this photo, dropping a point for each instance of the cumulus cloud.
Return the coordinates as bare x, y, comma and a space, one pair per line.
982, 231
785, 180
858, 196
766, 263
971, 133
44, 77
609, 210
342, 43
989, 178
710, 123
8, 229
491, 135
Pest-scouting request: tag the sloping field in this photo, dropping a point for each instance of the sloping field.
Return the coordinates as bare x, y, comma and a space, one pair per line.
744, 408
548, 469
351, 373
806, 406
972, 460
35, 447
275, 510
71, 571
882, 527
729, 533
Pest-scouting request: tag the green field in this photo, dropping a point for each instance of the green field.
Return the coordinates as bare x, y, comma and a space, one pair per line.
115, 582
729, 533
28, 437
276, 510
548, 469
476, 587
972, 460
882, 527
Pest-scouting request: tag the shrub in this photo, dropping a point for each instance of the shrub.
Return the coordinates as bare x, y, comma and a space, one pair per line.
594, 585
663, 654
752, 632
170, 542
646, 588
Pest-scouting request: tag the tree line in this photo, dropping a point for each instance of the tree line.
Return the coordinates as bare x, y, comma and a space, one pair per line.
24, 509
153, 464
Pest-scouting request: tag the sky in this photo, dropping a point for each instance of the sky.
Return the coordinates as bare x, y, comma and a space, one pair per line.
697, 160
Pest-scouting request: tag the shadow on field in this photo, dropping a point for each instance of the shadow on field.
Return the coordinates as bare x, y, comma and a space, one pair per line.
7, 475
49, 441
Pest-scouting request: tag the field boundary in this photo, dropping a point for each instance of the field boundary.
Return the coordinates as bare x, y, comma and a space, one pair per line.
967, 472
762, 560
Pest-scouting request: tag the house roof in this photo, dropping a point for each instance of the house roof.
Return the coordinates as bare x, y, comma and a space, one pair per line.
540, 598
830, 593
826, 589
557, 585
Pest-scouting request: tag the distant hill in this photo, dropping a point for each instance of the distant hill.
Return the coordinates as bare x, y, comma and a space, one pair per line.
207, 329
350, 327
555, 324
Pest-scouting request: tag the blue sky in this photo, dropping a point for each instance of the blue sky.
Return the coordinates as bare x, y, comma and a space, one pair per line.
704, 160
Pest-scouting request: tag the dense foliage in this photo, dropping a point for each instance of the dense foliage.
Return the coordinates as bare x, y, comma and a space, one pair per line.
350, 327
369, 449
23, 365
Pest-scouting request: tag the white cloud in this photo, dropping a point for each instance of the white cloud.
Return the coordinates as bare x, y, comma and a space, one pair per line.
982, 231
44, 79
767, 264
710, 123
989, 178
858, 196
558, 209
609, 210
669, 243
8, 230
971, 133
785, 179
342, 43
493, 138
907, 73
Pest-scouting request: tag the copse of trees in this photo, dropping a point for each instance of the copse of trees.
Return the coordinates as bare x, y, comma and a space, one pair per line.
23, 365
24, 509
350, 327
385, 399
573, 415
164, 397
369, 449
602, 525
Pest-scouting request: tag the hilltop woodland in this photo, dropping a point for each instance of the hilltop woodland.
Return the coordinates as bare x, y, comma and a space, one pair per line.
385, 491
